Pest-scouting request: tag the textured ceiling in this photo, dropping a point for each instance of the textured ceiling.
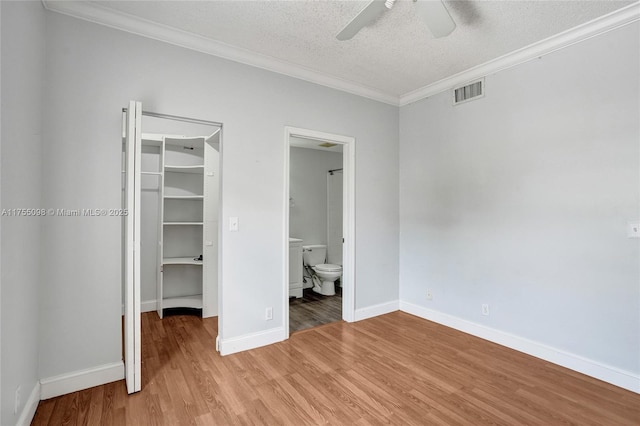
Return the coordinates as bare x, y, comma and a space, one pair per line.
395, 55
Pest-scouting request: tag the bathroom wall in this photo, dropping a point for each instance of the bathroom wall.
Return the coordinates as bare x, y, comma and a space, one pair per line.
308, 187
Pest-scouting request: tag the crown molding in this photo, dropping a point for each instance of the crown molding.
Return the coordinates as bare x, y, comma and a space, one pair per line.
593, 28
135, 25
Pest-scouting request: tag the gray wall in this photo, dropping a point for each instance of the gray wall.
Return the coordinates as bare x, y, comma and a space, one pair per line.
521, 200
308, 187
92, 73
22, 69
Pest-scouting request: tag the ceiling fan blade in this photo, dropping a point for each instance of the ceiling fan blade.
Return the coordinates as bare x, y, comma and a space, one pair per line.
436, 16
367, 16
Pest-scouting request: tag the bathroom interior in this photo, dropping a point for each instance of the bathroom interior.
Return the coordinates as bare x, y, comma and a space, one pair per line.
315, 231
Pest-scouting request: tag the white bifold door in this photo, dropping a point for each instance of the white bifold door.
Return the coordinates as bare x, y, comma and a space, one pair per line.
132, 143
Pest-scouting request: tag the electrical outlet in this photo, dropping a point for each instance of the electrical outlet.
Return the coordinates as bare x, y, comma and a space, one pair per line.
485, 309
16, 403
268, 313
429, 295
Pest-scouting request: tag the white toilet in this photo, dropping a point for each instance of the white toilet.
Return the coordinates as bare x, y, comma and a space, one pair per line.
326, 274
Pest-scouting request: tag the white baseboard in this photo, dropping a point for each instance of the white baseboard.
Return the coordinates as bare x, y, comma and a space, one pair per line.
82, 379
251, 341
30, 407
375, 310
145, 306
148, 306
606, 373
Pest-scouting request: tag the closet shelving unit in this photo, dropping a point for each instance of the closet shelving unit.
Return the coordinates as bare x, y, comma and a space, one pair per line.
186, 212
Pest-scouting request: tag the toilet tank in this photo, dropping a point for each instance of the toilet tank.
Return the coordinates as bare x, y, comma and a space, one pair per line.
314, 254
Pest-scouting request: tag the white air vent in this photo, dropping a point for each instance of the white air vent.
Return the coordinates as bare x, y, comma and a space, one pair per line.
469, 92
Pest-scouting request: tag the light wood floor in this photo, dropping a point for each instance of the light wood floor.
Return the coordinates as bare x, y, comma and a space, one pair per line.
392, 369
313, 309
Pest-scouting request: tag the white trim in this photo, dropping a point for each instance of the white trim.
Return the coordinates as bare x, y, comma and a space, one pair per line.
609, 374
251, 341
567, 38
30, 407
221, 235
348, 218
285, 226
348, 280
145, 306
81, 379
148, 306
135, 25
376, 310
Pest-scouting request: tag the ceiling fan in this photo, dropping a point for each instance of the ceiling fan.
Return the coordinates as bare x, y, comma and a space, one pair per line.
433, 12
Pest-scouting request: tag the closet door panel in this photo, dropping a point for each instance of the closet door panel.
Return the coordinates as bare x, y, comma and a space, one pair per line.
132, 199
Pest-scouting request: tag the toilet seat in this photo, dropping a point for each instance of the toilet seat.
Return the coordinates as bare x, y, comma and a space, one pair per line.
328, 267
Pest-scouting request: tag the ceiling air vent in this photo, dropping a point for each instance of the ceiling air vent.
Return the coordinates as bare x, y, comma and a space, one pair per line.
469, 92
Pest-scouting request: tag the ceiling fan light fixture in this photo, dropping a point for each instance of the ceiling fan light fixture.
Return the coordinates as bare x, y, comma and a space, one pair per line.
436, 17
433, 12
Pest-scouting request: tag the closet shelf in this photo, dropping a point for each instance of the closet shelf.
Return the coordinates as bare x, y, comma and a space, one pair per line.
183, 223
197, 169
181, 261
184, 197
183, 302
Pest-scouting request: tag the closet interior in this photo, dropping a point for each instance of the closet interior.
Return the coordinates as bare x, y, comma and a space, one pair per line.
179, 187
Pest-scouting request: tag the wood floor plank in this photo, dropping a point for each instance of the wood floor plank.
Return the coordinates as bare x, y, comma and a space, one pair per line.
323, 402
393, 369
44, 412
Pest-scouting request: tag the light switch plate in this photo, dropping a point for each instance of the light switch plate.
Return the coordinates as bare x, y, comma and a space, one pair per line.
633, 230
233, 224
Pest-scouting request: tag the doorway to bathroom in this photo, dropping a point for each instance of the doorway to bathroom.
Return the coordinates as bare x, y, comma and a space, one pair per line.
319, 224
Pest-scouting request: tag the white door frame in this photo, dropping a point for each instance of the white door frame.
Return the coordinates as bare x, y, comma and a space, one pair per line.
348, 218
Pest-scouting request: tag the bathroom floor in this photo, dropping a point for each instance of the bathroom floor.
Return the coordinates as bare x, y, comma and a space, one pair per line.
314, 309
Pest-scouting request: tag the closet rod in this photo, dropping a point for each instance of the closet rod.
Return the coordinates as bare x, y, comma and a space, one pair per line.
179, 118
